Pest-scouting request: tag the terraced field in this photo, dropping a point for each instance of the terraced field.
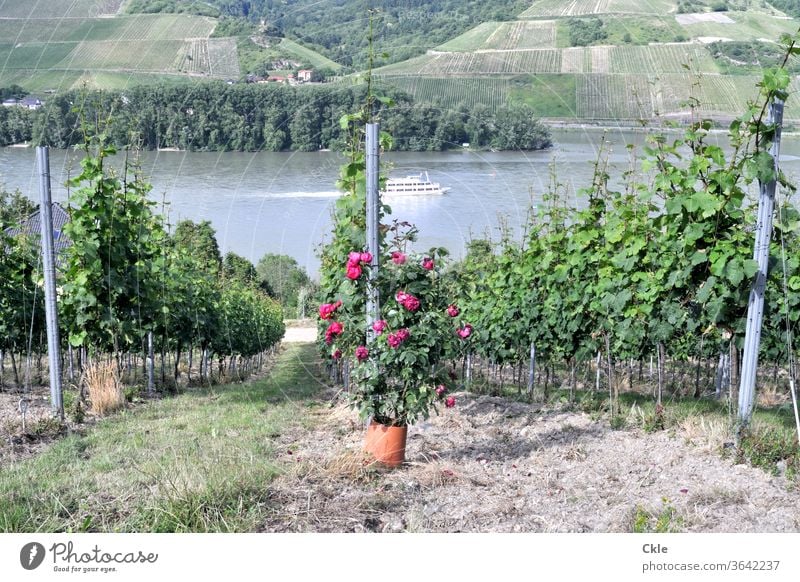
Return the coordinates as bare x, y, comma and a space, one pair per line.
112, 80
473, 39
632, 97
485, 63
138, 27
745, 26
35, 82
59, 8
145, 27
306, 55
223, 61
612, 97
20, 30
137, 55
194, 61
452, 92
545, 8
34, 56
667, 58
517, 35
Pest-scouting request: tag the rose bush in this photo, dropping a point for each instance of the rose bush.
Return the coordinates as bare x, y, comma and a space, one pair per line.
400, 376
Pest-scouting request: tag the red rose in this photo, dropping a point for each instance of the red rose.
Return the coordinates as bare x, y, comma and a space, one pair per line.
366, 257
353, 271
427, 264
450, 402
379, 326
441, 389
362, 353
465, 331
394, 341
403, 334
453, 311
337, 355
398, 258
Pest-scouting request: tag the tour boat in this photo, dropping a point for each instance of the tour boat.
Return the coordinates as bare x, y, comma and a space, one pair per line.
413, 186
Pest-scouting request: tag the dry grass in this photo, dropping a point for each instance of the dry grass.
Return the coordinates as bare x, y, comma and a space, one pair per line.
104, 387
705, 432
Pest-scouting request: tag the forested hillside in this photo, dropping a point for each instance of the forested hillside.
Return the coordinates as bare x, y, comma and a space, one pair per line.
403, 28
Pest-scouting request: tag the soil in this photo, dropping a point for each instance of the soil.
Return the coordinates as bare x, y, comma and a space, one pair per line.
40, 427
494, 465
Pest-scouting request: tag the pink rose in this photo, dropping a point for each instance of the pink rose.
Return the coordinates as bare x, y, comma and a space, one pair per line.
334, 329
366, 257
353, 271
326, 310
395, 339
441, 389
411, 303
453, 311
450, 402
465, 331
398, 258
400, 296
362, 353
353, 259
379, 326
427, 264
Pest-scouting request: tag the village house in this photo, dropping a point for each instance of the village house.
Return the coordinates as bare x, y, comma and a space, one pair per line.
31, 103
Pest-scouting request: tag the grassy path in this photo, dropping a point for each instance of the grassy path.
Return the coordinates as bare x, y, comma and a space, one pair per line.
202, 461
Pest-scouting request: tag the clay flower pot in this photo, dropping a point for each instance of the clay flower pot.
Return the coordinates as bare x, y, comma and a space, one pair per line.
386, 443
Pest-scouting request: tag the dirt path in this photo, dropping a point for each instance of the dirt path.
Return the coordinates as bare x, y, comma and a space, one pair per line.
300, 335
493, 465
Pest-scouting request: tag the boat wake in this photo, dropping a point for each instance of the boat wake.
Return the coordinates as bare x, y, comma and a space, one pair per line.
285, 195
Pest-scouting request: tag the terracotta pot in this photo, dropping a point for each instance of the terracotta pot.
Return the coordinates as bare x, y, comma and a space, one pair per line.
386, 443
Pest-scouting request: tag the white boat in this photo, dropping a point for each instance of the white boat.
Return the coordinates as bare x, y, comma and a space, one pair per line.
413, 186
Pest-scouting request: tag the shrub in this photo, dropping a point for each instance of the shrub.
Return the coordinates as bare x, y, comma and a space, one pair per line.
104, 387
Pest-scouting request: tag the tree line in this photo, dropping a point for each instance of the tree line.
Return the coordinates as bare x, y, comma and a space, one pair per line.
252, 117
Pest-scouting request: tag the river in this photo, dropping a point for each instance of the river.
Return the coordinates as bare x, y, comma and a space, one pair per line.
281, 202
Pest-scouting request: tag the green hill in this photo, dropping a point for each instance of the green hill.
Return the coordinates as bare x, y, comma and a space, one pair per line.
573, 60
606, 60
64, 44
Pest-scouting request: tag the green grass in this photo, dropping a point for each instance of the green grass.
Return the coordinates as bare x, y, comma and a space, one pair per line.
58, 8
39, 30
144, 27
662, 59
746, 26
36, 56
137, 55
471, 40
306, 55
202, 461
39, 82
547, 95
453, 91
